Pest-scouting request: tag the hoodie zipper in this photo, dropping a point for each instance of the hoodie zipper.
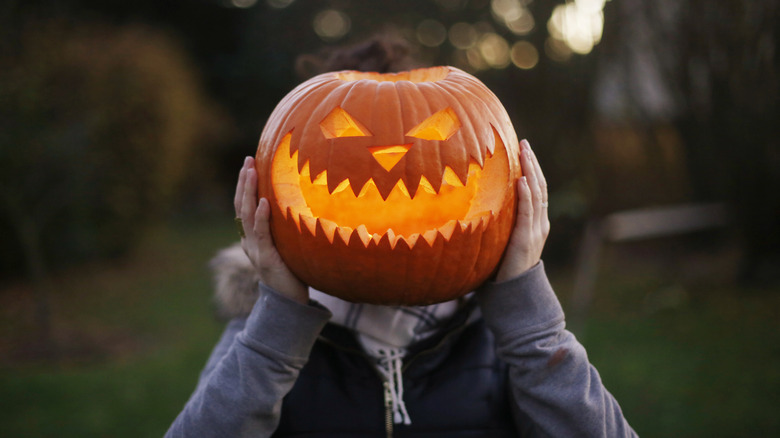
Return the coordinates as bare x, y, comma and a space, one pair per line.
388, 410
386, 385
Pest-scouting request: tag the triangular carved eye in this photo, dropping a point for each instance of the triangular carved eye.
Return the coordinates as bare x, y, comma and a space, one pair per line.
439, 126
340, 124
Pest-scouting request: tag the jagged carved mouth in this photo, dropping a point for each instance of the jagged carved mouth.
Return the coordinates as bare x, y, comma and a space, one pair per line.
347, 210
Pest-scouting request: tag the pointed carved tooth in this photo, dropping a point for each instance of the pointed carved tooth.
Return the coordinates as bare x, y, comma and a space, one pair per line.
474, 167
294, 213
344, 185
478, 219
412, 187
376, 237
367, 188
385, 191
310, 223
400, 187
447, 229
321, 179
426, 185
464, 225
305, 172
404, 242
301, 210
391, 237
486, 219
496, 142
411, 240
344, 233
451, 178
297, 220
430, 236
363, 234
290, 215
476, 159
356, 187
329, 227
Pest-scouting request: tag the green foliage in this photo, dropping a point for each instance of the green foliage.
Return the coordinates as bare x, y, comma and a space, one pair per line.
97, 127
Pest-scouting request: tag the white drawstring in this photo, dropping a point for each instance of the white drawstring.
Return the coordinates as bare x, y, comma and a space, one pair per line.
389, 364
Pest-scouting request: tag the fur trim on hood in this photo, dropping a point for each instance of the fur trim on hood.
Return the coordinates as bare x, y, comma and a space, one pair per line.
235, 282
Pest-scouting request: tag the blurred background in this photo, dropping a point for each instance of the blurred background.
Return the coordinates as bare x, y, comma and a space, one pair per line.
124, 124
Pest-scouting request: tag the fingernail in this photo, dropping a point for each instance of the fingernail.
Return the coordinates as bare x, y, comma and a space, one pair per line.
525, 144
524, 180
247, 160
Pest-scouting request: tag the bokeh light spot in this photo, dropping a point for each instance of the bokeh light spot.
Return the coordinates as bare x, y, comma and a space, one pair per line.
431, 33
522, 25
463, 35
475, 59
524, 55
331, 24
495, 50
506, 9
578, 24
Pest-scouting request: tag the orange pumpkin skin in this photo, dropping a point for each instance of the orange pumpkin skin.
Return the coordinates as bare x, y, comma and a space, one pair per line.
393, 189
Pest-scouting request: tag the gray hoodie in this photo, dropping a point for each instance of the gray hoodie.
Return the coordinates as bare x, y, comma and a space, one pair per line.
258, 358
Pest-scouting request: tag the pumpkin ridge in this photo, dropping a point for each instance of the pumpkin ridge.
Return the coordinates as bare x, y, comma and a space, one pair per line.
332, 183
479, 149
303, 95
311, 133
432, 171
466, 130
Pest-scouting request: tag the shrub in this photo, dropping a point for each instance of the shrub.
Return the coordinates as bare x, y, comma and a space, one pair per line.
97, 127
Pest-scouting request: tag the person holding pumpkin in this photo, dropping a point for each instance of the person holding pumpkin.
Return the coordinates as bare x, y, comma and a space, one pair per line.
496, 362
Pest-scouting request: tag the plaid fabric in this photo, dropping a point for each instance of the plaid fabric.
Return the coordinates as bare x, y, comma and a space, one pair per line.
393, 326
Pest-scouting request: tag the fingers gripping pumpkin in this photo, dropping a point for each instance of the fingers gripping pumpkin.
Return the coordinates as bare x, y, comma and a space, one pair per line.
390, 188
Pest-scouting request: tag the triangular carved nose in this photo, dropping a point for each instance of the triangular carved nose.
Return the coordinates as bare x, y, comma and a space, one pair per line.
389, 156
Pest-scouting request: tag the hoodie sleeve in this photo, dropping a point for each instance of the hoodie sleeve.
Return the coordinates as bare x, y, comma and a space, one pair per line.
556, 391
251, 369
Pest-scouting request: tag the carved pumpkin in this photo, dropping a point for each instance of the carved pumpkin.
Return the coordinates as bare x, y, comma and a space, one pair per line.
390, 188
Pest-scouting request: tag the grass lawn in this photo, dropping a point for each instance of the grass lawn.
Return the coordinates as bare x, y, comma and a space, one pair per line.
702, 363
136, 334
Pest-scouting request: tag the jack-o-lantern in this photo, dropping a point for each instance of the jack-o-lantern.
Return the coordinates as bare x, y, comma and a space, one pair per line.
392, 188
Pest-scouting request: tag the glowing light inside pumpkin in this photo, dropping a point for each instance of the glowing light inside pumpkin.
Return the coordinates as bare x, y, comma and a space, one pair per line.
389, 156
467, 204
338, 123
440, 126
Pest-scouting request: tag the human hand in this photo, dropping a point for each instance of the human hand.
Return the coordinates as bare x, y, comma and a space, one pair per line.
532, 225
257, 241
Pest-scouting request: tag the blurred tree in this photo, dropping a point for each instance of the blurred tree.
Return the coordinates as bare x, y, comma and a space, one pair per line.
97, 127
729, 77
709, 69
